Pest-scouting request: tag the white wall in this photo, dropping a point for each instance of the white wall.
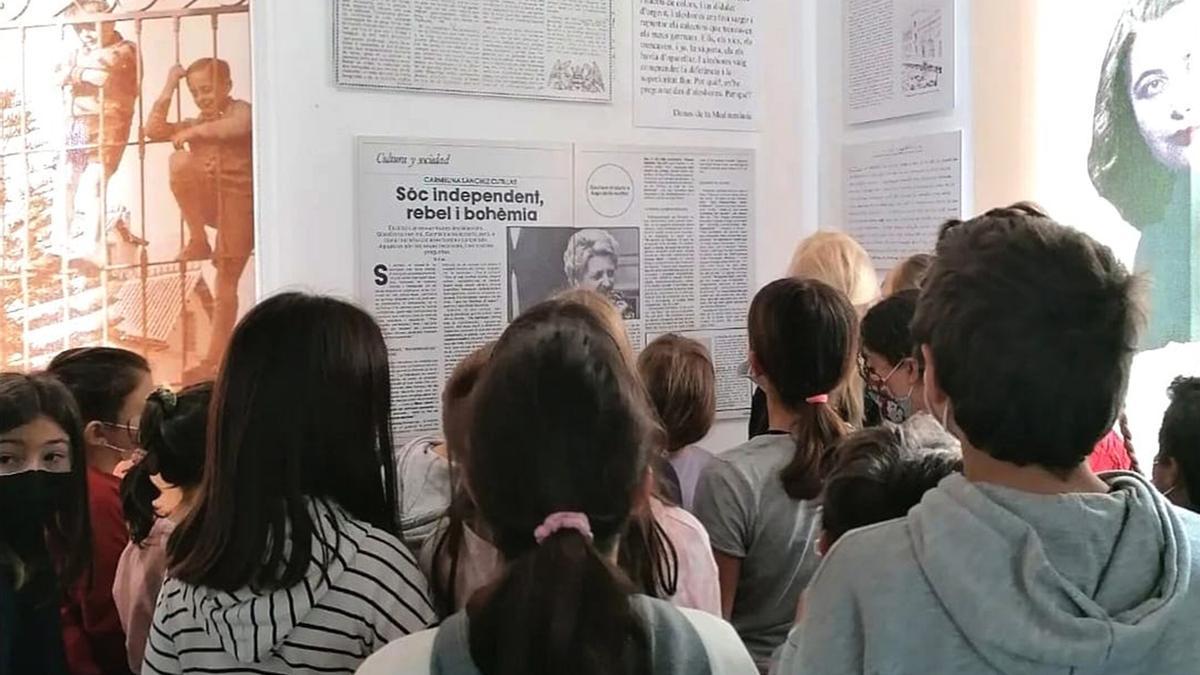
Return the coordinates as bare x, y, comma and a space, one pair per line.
306, 126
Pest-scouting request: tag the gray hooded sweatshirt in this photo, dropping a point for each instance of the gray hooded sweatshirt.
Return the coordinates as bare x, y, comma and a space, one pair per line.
983, 579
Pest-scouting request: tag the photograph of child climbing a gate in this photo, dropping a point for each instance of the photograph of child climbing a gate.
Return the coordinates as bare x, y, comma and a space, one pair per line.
126, 180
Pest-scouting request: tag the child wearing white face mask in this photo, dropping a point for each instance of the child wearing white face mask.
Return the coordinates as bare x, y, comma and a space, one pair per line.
44, 534
890, 363
1177, 467
110, 386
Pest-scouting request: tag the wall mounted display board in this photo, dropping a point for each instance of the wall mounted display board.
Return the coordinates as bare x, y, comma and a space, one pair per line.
899, 192
458, 237
551, 49
696, 64
899, 58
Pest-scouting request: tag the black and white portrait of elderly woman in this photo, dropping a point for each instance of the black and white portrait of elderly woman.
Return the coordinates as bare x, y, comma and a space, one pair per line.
590, 261
1144, 156
546, 260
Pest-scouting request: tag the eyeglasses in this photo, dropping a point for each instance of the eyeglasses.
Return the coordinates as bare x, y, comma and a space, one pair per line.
131, 431
868, 374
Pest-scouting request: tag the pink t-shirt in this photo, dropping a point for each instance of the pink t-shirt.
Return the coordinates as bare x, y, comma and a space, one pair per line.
140, 575
698, 586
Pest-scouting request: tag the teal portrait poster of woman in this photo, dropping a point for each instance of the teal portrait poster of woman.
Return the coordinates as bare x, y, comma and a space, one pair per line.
1144, 157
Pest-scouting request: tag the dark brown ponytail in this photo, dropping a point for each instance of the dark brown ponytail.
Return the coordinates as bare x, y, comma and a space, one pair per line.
818, 428
574, 615
560, 425
802, 335
1127, 439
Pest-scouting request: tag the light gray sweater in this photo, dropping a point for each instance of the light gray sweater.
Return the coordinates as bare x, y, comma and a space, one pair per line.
983, 579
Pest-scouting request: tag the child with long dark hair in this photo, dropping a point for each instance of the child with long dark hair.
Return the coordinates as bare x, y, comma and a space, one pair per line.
759, 500
156, 495
557, 462
45, 536
664, 551
289, 560
110, 386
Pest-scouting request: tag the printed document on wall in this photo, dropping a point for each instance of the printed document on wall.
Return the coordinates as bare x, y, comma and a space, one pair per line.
432, 229
696, 64
552, 49
693, 210
899, 58
899, 192
456, 238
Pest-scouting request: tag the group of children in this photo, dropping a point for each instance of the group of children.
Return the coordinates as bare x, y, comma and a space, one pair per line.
566, 521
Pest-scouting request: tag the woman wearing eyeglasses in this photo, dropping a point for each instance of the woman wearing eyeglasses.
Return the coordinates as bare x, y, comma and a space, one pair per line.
887, 362
110, 385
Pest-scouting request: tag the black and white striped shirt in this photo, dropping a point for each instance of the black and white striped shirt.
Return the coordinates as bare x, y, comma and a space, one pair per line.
373, 593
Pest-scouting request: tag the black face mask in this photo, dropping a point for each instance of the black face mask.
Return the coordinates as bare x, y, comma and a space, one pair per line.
28, 503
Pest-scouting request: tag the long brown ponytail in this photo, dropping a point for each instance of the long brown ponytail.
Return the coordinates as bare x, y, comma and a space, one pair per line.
802, 335
560, 425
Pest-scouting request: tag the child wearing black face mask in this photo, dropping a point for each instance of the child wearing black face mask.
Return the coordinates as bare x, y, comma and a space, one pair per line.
45, 538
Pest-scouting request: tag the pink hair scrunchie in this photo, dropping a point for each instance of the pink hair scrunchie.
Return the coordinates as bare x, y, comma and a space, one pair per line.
818, 399
563, 520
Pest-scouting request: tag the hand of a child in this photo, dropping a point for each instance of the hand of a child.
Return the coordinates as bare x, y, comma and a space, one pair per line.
123, 467
177, 73
182, 138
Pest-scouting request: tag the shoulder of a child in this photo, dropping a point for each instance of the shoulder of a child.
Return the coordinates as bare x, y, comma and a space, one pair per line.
725, 650
412, 655
870, 554
677, 520
1190, 522
726, 474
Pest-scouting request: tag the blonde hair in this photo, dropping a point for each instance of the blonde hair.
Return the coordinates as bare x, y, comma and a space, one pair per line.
608, 314
582, 247
908, 275
836, 259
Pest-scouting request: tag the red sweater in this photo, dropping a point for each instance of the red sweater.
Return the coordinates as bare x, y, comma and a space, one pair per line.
1110, 454
91, 627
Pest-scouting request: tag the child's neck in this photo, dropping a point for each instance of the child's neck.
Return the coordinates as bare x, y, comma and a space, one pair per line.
779, 416
186, 500
103, 459
980, 467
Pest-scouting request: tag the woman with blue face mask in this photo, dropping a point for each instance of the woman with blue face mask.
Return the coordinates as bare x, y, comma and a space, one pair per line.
887, 361
45, 538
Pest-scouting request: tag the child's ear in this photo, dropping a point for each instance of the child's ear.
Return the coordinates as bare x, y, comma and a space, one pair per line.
937, 397
93, 434
824, 543
913, 371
